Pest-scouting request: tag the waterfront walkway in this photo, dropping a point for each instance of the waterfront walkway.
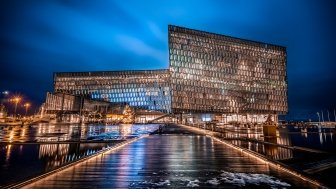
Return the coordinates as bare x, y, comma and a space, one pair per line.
172, 160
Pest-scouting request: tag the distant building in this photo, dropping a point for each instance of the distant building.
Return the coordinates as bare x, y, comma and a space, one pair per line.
61, 102
70, 103
210, 76
69, 108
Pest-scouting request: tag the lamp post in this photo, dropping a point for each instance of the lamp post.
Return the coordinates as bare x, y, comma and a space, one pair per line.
16, 100
26, 105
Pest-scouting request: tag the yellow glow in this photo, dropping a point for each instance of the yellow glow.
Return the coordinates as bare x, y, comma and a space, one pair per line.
11, 136
8, 151
16, 99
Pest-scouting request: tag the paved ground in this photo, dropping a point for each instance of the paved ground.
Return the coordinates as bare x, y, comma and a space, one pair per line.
172, 160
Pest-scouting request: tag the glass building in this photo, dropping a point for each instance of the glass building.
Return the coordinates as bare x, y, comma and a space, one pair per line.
209, 74
221, 74
146, 89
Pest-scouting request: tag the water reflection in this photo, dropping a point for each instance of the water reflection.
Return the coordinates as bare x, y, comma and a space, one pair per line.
54, 153
269, 149
277, 152
52, 133
173, 161
238, 132
249, 138
122, 131
278, 147
44, 147
8, 152
311, 137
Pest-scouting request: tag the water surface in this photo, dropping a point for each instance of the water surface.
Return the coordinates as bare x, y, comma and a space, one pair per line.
172, 161
29, 151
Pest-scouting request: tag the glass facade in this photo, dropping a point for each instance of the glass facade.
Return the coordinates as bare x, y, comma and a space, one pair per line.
220, 74
147, 89
208, 73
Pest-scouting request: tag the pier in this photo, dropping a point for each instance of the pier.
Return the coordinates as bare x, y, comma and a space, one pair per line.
176, 157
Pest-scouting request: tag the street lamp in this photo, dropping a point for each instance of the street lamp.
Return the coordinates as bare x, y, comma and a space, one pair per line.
26, 105
16, 100
318, 114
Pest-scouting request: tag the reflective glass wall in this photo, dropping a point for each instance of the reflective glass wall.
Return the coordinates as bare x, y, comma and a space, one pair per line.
148, 89
221, 74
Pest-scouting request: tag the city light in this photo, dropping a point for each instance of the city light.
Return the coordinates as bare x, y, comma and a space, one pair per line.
26, 105
16, 101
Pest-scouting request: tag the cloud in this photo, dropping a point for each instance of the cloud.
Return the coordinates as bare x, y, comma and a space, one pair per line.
139, 48
156, 31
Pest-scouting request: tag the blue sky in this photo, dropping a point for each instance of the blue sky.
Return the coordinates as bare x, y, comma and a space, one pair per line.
41, 37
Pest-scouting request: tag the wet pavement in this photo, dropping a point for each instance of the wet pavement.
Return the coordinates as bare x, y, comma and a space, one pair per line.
172, 160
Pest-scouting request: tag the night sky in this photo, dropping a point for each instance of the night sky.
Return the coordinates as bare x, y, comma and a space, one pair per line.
40, 37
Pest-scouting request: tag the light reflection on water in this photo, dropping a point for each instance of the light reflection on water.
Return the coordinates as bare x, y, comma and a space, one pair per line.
45, 132
316, 138
21, 160
278, 147
173, 161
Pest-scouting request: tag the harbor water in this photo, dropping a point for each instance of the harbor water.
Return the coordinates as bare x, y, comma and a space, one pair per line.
177, 159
